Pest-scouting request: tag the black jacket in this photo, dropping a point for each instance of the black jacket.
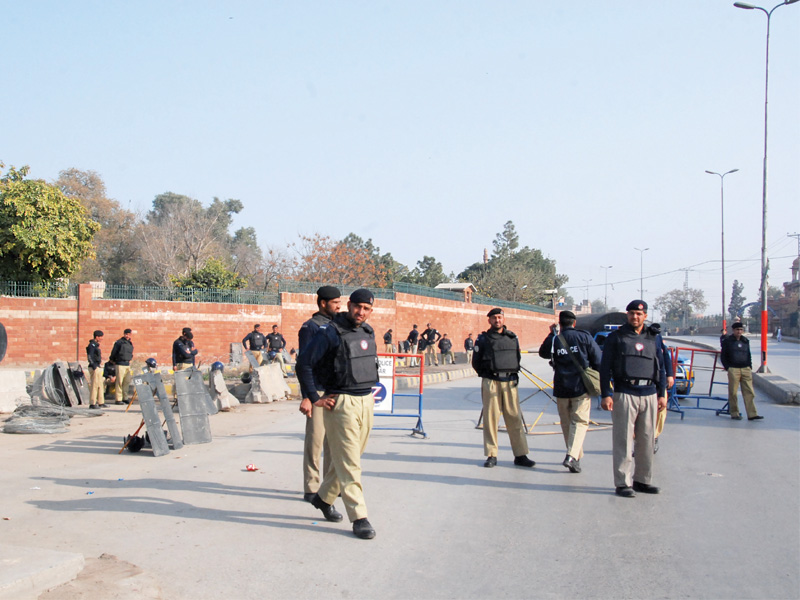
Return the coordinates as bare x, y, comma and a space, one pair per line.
93, 355
736, 354
567, 382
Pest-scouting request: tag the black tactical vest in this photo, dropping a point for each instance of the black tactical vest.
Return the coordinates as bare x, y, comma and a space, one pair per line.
355, 366
738, 352
499, 352
636, 358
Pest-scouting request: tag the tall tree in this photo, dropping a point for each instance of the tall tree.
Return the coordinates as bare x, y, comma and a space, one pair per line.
514, 273
44, 235
116, 246
737, 300
428, 272
320, 258
681, 303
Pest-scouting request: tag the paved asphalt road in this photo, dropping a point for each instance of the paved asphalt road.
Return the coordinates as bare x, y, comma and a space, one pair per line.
727, 524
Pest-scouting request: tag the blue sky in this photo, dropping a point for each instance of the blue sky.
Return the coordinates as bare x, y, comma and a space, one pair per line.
427, 125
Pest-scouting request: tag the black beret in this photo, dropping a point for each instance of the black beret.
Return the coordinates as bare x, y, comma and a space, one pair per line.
637, 305
97, 333
738, 325
566, 315
186, 330
328, 292
362, 296
128, 331
495, 311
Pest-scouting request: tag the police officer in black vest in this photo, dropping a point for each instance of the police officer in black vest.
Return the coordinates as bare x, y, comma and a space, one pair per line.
633, 359
343, 357
256, 342
121, 357
316, 444
497, 360
738, 362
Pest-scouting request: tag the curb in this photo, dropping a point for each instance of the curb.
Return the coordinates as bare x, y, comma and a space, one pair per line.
29, 572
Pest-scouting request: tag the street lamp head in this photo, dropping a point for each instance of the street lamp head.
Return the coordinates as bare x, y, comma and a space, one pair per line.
735, 170
712, 173
790, 1
745, 5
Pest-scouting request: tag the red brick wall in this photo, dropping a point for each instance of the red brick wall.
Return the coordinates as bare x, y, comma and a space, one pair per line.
41, 331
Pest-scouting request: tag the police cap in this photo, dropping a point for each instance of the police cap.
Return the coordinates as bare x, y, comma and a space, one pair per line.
362, 296
738, 325
495, 311
97, 333
637, 305
128, 331
186, 330
328, 292
566, 315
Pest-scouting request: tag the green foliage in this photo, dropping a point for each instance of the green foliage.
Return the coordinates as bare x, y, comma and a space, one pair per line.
737, 300
428, 272
214, 274
44, 235
681, 303
513, 273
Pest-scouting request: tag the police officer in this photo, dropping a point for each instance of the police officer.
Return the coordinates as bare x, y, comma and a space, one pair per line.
412, 339
469, 346
183, 351
573, 400
431, 336
738, 362
316, 444
344, 358
632, 357
276, 344
387, 342
94, 356
497, 361
121, 356
446, 349
255, 341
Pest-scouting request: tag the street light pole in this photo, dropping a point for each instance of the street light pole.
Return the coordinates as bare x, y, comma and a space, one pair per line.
722, 237
764, 320
641, 271
605, 297
587, 281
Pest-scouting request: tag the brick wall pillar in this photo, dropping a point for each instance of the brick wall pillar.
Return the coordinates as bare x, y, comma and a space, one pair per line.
84, 327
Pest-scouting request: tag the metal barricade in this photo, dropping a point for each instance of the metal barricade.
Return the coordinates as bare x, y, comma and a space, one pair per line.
700, 362
381, 389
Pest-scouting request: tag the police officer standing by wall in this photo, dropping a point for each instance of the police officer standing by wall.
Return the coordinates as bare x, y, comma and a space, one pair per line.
446, 349
497, 361
255, 341
574, 402
387, 342
413, 339
344, 358
183, 351
121, 356
96, 381
316, 444
431, 336
738, 362
469, 347
632, 357
276, 344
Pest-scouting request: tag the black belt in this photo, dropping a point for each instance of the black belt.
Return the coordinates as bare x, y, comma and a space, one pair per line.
639, 381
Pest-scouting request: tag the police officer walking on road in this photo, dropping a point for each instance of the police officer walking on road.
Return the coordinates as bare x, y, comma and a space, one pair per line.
632, 357
738, 362
497, 361
256, 341
95, 358
344, 358
121, 356
316, 444
573, 400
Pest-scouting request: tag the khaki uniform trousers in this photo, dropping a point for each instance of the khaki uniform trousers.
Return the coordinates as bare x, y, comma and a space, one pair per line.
574, 415
96, 386
183, 366
469, 356
447, 354
279, 358
314, 446
661, 420
123, 382
501, 397
388, 348
430, 352
743, 377
257, 355
347, 428
633, 416
414, 362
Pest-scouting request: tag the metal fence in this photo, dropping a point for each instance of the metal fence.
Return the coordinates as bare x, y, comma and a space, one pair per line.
177, 294
508, 304
310, 287
421, 290
28, 289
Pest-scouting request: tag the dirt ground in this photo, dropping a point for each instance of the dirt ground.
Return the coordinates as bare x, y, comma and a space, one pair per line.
107, 578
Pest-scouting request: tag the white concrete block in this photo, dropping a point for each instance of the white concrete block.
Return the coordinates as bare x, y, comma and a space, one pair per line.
12, 389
